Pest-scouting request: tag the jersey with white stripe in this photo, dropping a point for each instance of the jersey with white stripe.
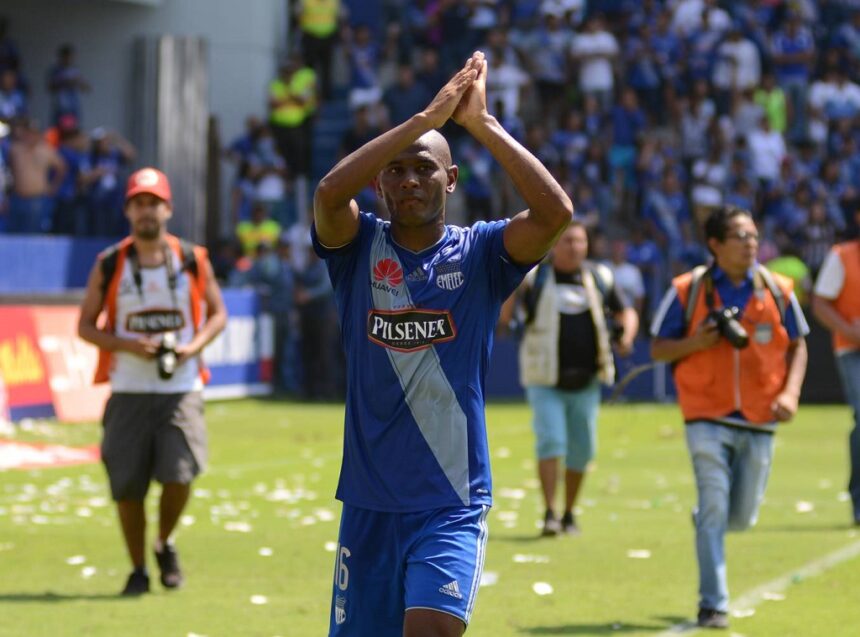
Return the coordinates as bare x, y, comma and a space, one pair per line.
418, 332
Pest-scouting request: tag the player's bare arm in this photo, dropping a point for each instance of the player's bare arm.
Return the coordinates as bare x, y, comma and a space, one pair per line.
531, 233
88, 328
335, 210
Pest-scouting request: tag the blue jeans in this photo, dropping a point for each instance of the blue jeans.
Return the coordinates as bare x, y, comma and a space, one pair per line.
731, 466
849, 371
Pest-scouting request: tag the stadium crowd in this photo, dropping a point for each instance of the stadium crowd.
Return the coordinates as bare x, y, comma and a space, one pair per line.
650, 113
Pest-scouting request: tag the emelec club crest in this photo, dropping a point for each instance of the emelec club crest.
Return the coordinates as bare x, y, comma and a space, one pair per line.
387, 276
449, 276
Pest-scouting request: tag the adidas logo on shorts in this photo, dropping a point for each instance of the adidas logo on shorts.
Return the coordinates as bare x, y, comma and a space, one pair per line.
452, 589
339, 610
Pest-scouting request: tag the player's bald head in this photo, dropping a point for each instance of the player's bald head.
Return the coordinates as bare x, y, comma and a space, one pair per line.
435, 143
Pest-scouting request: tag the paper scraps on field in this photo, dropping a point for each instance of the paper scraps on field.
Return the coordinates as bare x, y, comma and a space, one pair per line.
519, 558
21, 455
773, 597
542, 588
259, 600
324, 515
187, 520
489, 578
237, 527
740, 613
331, 547
74, 560
639, 554
843, 496
88, 571
512, 494
503, 452
804, 507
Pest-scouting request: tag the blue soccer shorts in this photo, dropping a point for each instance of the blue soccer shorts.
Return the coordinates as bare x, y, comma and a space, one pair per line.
388, 563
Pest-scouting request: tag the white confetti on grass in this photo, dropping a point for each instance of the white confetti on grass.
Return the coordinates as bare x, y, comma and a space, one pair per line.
843, 496
542, 588
503, 452
520, 558
88, 571
237, 527
259, 600
187, 520
741, 613
308, 520
639, 554
75, 560
84, 512
773, 597
331, 547
265, 551
513, 494
324, 515
804, 507
489, 578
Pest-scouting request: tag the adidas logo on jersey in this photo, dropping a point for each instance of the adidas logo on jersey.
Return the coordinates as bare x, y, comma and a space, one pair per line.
452, 589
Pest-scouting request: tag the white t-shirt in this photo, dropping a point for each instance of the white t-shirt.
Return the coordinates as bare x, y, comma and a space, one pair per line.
768, 151
595, 74
628, 279
738, 65
504, 83
831, 277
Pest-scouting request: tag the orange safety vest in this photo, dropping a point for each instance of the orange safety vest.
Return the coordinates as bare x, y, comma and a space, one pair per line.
848, 301
119, 251
720, 380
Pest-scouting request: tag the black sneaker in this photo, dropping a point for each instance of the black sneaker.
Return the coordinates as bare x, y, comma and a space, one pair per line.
168, 562
551, 526
137, 584
710, 618
568, 524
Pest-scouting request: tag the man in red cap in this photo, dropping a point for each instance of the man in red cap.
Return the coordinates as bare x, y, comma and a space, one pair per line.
153, 288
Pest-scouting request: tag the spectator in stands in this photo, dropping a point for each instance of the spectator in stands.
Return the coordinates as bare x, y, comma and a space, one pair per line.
667, 214
110, 154
565, 355
595, 50
292, 104
547, 52
506, 83
790, 265
365, 57
772, 100
65, 84
72, 215
321, 369
818, 234
767, 152
282, 305
737, 67
259, 228
13, 102
37, 171
628, 277
319, 22
730, 439
836, 304
405, 97
709, 178
430, 74
268, 172
695, 117
793, 52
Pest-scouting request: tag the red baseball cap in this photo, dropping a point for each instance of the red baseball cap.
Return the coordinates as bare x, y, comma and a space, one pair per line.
148, 180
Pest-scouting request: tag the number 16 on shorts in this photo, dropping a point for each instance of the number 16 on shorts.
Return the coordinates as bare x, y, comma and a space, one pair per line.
341, 582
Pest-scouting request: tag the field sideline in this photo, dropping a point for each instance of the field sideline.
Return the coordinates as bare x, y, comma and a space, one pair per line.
257, 540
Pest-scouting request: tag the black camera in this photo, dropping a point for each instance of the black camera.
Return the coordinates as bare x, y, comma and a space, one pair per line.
166, 357
726, 320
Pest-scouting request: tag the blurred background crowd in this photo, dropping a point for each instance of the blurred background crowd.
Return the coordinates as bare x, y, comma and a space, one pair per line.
651, 113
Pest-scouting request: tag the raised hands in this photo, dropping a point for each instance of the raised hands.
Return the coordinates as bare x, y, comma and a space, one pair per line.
450, 96
473, 104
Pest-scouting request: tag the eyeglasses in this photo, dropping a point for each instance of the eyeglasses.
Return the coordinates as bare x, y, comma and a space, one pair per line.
743, 235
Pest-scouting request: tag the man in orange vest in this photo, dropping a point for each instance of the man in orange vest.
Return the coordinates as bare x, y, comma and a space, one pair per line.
152, 286
836, 305
734, 333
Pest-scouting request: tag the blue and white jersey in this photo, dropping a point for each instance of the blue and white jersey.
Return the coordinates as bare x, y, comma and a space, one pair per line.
418, 331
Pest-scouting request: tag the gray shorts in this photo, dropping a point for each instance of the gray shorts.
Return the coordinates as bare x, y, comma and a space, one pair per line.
152, 436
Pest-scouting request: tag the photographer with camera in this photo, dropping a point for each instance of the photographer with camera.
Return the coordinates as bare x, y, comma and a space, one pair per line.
574, 314
154, 289
734, 333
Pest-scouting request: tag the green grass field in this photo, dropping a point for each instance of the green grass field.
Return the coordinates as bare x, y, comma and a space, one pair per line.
264, 521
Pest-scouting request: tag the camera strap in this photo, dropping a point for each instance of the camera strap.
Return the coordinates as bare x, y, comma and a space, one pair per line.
137, 274
703, 276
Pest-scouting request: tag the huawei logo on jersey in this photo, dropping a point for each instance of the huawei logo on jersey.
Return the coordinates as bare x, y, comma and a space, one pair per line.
155, 321
387, 276
410, 330
387, 271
